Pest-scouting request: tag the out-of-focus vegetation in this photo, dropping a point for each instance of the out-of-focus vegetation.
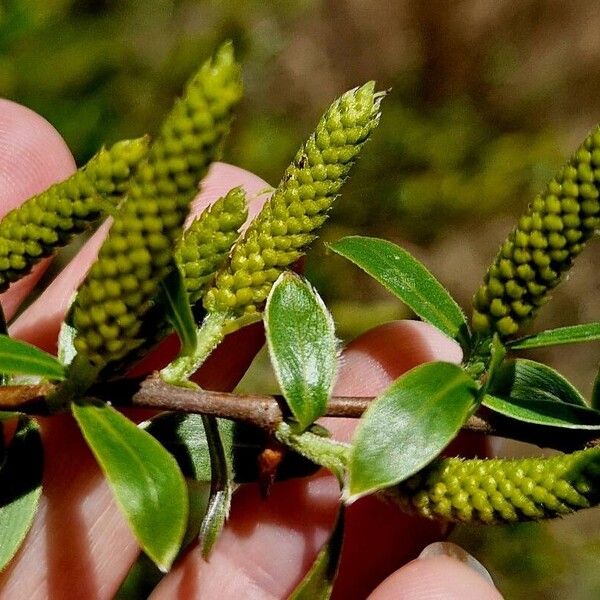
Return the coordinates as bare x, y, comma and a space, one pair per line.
487, 99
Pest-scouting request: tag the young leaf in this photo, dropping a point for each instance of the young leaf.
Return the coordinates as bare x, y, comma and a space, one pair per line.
544, 412
174, 297
404, 276
302, 345
3, 331
66, 348
596, 392
320, 450
221, 487
145, 478
522, 379
317, 584
497, 355
20, 487
20, 358
408, 426
575, 334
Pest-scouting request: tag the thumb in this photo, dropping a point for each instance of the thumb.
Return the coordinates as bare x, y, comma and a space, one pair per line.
443, 571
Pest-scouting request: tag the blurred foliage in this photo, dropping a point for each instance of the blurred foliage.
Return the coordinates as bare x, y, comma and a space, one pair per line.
487, 99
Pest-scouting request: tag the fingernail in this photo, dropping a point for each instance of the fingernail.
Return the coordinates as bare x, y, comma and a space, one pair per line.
456, 552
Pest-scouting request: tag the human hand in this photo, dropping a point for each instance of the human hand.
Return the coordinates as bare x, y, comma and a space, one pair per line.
81, 546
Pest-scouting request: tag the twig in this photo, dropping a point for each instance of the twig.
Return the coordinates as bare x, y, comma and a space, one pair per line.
267, 412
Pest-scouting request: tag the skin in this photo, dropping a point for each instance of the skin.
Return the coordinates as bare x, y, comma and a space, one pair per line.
79, 541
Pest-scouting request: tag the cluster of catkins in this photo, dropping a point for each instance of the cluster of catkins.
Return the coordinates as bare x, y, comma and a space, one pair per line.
148, 188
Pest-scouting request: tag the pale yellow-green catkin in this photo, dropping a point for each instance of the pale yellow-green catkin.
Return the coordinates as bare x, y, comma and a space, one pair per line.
208, 240
139, 252
543, 246
502, 490
288, 222
48, 221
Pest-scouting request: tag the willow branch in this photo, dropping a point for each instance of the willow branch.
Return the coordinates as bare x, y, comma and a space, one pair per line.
267, 412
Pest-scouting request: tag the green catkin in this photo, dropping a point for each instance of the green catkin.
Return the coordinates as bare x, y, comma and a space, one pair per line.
502, 490
543, 246
48, 221
139, 251
285, 227
207, 241
203, 249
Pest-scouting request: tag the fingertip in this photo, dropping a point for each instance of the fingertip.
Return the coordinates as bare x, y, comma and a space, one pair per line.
436, 578
33, 156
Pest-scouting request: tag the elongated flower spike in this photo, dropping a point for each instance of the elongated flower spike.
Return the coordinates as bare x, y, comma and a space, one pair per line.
48, 221
208, 240
288, 222
203, 249
140, 249
543, 246
503, 490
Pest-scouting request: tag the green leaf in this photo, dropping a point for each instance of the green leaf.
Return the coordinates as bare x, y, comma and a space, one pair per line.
404, 276
20, 487
575, 334
302, 345
408, 426
221, 487
317, 584
522, 379
545, 412
184, 437
497, 355
596, 392
3, 326
175, 300
20, 358
145, 478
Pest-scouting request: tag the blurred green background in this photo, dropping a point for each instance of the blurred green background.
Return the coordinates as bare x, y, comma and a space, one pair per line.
488, 98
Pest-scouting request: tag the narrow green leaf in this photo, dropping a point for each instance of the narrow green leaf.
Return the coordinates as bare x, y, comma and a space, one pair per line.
574, 334
4, 379
408, 426
522, 379
184, 437
145, 478
596, 392
3, 326
174, 297
544, 412
20, 487
497, 355
302, 345
403, 275
221, 487
17, 357
317, 584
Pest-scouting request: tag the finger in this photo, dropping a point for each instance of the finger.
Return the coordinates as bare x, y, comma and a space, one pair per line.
33, 156
40, 323
267, 546
436, 578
